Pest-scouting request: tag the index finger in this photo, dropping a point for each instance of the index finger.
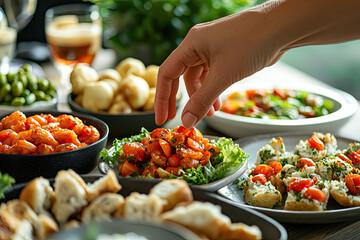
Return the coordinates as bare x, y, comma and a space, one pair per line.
170, 71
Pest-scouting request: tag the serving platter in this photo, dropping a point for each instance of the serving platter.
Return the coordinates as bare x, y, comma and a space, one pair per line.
236, 126
236, 212
210, 187
334, 213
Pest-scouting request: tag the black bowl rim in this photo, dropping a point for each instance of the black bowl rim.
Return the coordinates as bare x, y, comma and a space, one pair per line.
75, 114
74, 105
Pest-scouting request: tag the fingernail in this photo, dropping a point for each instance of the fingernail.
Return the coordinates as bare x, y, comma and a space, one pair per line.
189, 119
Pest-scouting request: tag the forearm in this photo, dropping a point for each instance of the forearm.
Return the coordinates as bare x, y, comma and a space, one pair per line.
298, 23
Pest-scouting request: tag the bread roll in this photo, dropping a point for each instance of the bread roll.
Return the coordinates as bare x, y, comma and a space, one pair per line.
39, 195
241, 231
102, 208
70, 195
13, 228
142, 207
203, 217
107, 184
173, 191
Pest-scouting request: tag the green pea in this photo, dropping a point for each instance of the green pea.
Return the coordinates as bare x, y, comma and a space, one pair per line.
24, 80
4, 90
3, 80
30, 99
27, 67
17, 88
40, 95
8, 97
12, 77
43, 84
32, 82
52, 93
18, 101
25, 93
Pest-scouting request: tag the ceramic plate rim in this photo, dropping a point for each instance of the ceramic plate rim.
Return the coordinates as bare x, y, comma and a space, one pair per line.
348, 106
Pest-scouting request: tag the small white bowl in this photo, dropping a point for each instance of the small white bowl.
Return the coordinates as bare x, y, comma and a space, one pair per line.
236, 126
36, 106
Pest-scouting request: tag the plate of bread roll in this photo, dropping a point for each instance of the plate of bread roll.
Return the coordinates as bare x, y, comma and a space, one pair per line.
45, 208
300, 177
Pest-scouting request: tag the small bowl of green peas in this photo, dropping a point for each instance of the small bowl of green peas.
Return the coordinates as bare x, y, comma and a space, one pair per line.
23, 90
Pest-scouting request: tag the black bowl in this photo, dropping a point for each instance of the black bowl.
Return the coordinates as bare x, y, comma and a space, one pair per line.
123, 124
26, 167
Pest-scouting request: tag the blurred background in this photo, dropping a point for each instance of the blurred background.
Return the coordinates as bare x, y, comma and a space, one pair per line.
154, 37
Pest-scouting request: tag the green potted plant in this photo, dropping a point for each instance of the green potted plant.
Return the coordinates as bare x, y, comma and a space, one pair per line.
151, 29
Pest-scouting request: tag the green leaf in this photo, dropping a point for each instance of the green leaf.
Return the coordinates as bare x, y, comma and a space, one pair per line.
6, 182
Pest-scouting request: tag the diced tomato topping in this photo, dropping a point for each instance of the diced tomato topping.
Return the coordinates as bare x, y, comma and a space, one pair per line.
159, 158
181, 129
215, 151
315, 142
189, 163
355, 157
190, 143
174, 161
128, 169
230, 106
260, 177
344, 158
281, 93
161, 133
165, 147
153, 145
174, 171
353, 183
315, 193
305, 162
206, 158
298, 184
135, 150
195, 134
276, 166
177, 139
263, 169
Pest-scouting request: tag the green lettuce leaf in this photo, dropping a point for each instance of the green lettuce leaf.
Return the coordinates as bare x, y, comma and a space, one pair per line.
6, 182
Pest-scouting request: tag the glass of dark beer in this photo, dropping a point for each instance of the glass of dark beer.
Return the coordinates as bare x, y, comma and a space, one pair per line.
73, 32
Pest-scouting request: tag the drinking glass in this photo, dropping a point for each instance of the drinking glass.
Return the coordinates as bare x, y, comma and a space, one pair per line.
7, 43
73, 32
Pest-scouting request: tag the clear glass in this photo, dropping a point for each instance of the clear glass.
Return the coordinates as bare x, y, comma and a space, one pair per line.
7, 43
73, 32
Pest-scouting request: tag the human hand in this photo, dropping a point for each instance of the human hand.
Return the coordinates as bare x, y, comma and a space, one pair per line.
217, 54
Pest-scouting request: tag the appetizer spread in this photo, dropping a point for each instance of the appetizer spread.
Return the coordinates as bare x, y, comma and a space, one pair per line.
276, 104
42, 209
179, 153
44, 134
24, 88
304, 180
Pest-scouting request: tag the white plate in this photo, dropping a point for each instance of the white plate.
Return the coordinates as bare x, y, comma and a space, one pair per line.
210, 187
335, 212
36, 106
238, 126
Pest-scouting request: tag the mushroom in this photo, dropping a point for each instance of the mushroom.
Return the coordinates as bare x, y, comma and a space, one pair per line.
136, 91
110, 74
81, 76
150, 75
149, 105
98, 96
130, 66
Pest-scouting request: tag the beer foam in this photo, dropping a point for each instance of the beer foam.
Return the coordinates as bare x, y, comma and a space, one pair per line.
7, 35
73, 34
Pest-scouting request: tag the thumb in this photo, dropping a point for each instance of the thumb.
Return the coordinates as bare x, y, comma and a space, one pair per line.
200, 103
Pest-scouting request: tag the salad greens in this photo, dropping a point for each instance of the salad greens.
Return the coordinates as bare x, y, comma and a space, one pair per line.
230, 159
6, 182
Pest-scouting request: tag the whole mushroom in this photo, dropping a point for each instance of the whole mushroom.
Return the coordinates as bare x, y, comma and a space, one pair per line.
98, 96
136, 91
81, 76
